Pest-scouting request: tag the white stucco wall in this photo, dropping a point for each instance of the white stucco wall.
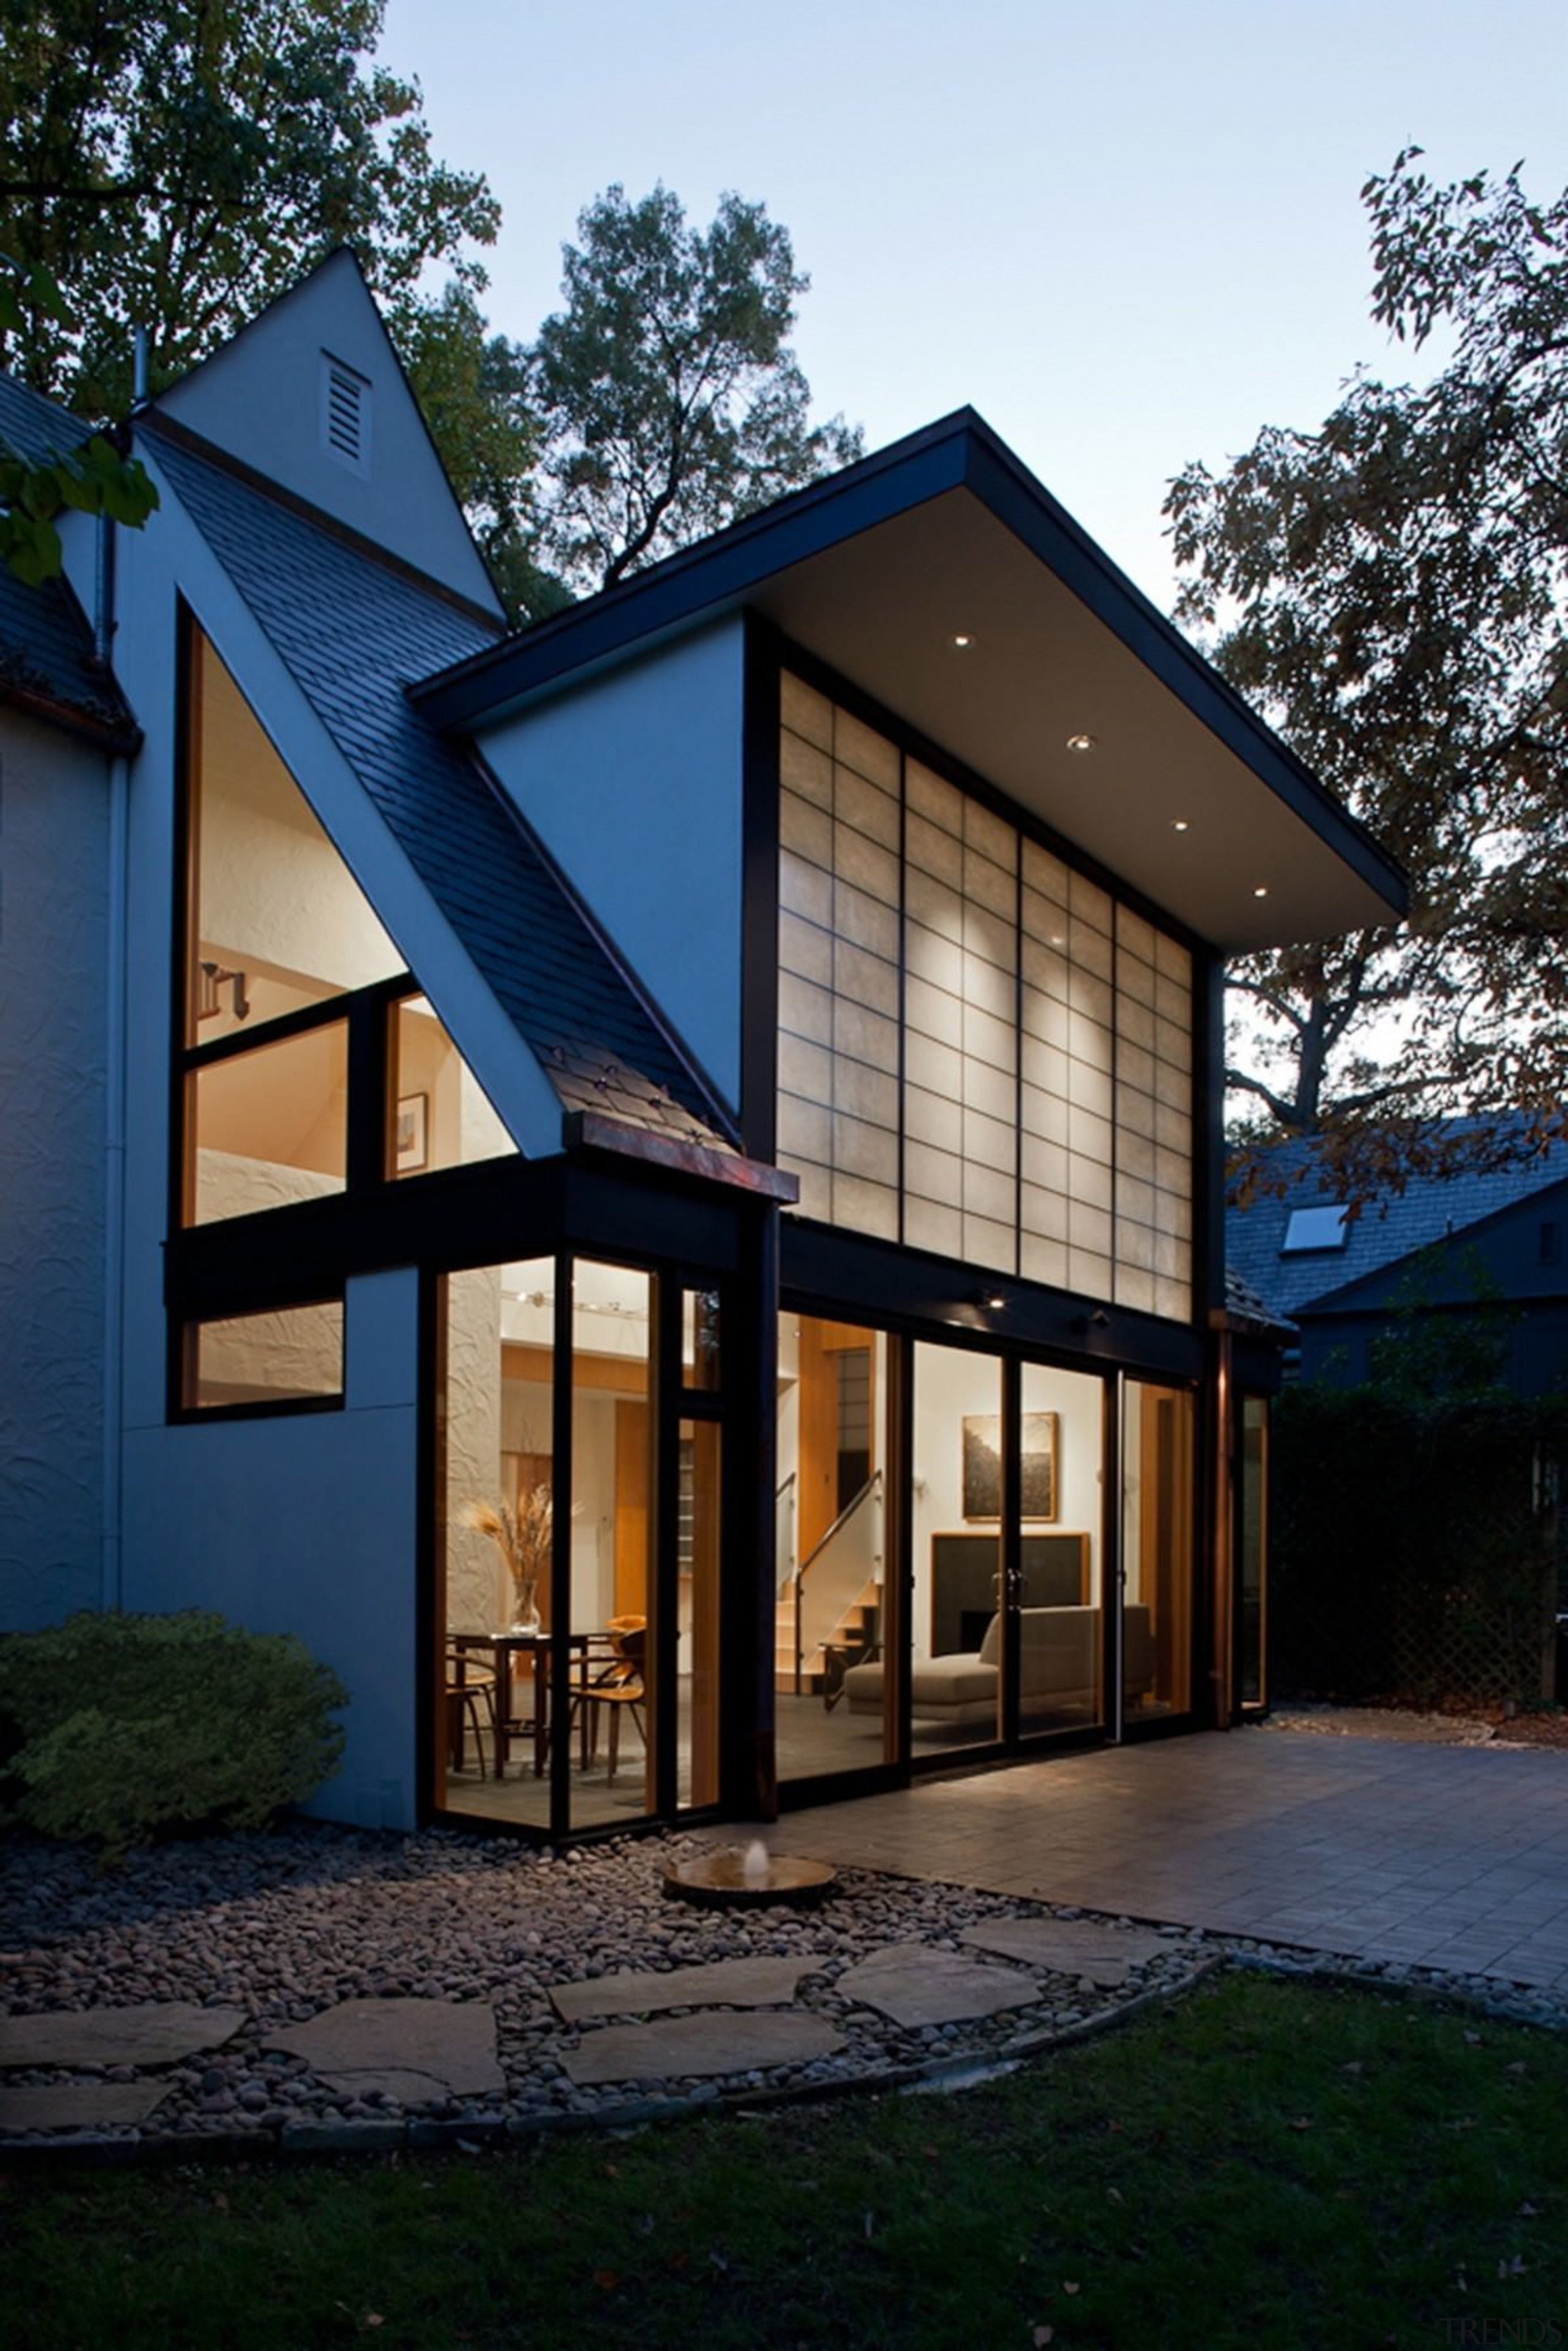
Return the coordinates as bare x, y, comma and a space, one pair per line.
54, 851
633, 783
306, 1525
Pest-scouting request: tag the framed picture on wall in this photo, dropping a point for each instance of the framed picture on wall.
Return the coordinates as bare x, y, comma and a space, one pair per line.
411, 1144
983, 1465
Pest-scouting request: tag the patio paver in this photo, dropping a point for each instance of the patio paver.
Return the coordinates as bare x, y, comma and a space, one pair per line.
1361, 1847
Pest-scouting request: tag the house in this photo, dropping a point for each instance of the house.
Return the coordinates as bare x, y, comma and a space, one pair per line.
1445, 1247
731, 1073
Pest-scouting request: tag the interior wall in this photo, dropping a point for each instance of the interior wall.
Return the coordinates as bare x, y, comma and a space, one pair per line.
478, 1588
54, 860
950, 1384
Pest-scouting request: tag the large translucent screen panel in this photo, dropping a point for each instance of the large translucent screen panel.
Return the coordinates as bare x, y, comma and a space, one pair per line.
1058, 1628
292, 1355
1156, 1550
439, 1115
276, 919
956, 1662
612, 1596
830, 1666
269, 1127
496, 1495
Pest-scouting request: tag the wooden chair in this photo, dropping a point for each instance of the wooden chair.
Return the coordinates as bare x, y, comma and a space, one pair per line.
465, 1689
612, 1681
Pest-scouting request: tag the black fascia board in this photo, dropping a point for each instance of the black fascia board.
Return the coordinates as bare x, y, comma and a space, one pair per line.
958, 452
718, 571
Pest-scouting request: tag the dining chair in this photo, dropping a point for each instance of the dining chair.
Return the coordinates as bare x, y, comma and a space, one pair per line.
612, 1681
465, 1689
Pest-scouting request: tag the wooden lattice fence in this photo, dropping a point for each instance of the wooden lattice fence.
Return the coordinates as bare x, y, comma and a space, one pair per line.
1415, 1547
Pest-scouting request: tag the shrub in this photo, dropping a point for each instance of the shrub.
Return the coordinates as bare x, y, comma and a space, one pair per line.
122, 1727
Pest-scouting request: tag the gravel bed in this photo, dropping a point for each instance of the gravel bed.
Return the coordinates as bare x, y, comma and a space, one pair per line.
287, 1926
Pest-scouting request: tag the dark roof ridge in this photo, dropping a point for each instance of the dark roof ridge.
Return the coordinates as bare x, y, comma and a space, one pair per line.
166, 428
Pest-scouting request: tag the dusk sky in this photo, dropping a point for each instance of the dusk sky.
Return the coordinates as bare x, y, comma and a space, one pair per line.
1128, 236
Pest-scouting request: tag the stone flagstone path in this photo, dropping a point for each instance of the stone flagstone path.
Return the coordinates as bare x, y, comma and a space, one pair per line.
728, 1983
918, 1986
1089, 1948
415, 2051
717, 2042
81, 2106
161, 2033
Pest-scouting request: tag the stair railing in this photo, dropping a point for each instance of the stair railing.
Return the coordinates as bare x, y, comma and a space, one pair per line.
841, 1566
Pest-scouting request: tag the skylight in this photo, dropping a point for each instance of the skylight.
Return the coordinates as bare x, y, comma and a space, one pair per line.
1320, 1228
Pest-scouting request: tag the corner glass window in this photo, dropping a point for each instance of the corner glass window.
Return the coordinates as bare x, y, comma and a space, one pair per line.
292, 1355
438, 1114
268, 1128
277, 921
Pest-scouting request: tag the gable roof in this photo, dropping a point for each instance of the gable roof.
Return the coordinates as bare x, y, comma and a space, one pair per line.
1430, 1208
881, 571
49, 662
354, 631
262, 398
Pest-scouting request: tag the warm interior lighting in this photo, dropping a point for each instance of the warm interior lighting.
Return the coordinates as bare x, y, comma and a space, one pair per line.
1180, 824
963, 642
1081, 742
1262, 890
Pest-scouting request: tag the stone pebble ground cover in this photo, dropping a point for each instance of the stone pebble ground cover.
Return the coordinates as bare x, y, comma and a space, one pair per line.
323, 1986
268, 1939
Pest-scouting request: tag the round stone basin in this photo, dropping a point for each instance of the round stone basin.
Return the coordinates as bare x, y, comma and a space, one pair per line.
729, 1878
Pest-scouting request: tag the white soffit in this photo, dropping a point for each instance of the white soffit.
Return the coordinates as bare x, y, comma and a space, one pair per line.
884, 608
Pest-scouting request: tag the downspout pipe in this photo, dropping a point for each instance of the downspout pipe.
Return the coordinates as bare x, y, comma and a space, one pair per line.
110, 1560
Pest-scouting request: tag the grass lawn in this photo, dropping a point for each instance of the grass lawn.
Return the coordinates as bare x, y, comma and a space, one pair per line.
1265, 2165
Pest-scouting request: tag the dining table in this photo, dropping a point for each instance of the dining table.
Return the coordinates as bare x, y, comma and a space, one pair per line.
505, 1646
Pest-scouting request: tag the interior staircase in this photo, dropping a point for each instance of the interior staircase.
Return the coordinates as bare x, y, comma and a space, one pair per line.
855, 1631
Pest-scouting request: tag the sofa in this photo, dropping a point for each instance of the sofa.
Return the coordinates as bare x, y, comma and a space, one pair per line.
1058, 1664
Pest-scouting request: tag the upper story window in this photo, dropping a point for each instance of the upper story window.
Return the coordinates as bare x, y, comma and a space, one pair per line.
981, 1052
294, 993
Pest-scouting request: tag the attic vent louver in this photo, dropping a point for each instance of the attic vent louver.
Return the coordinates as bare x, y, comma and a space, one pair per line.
345, 414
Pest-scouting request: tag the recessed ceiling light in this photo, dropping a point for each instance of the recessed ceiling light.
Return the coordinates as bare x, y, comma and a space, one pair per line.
1262, 890
1081, 742
1180, 824
963, 642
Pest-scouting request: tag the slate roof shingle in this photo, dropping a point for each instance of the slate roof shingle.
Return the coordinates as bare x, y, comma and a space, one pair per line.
1429, 1209
47, 661
355, 631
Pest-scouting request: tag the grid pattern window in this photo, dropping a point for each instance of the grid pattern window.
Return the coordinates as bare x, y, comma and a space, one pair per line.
1154, 1118
981, 1052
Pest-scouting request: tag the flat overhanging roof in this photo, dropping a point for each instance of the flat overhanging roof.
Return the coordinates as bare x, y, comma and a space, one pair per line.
877, 570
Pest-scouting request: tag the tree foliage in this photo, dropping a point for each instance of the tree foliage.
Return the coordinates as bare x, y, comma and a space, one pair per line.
1393, 590
175, 164
670, 399
92, 476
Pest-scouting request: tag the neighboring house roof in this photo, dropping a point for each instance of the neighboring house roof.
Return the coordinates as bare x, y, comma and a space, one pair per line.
48, 664
1429, 1209
1242, 1304
354, 631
